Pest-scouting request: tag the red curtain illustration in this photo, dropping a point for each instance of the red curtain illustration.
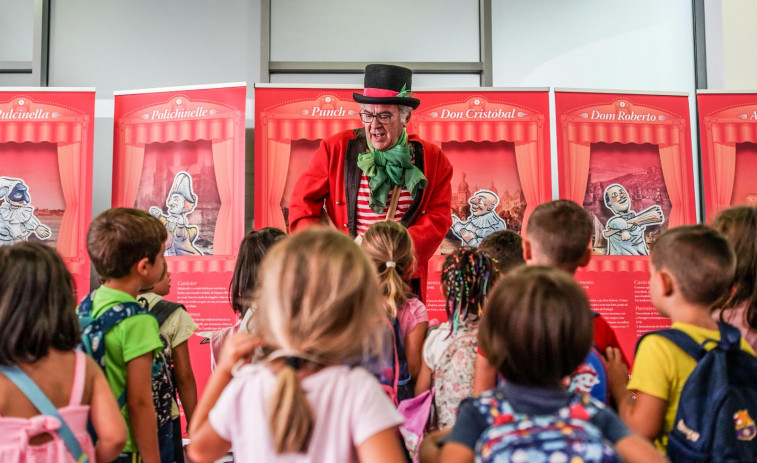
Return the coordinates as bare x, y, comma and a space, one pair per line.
64, 119
727, 121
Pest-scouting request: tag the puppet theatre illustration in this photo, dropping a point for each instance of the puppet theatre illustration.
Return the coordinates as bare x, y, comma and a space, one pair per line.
17, 219
483, 220
180, 202
625, 230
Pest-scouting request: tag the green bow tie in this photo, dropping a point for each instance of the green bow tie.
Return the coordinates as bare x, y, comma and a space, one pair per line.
386, 168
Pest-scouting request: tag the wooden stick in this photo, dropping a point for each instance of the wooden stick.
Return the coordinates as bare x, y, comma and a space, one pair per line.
396, 189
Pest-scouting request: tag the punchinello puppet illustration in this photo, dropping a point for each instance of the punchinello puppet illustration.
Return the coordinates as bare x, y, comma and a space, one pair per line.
181, 201
483, 220
17, 219
625, 230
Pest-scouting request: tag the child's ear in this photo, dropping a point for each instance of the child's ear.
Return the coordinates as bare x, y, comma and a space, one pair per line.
526, 250
667, 284
142, 266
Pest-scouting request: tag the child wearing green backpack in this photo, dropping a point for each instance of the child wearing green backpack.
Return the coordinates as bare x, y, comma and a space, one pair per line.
126, 247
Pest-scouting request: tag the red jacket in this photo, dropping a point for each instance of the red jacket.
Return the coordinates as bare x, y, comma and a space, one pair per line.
333, 178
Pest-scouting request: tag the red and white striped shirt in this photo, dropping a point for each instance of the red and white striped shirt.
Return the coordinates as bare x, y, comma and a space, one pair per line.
366, 217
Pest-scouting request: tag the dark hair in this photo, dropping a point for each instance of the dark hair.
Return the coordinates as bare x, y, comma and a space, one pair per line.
700, 259
467, 276
739, 226
254, 247
120, 237
506, 248
561, 230
537, 326
36, 304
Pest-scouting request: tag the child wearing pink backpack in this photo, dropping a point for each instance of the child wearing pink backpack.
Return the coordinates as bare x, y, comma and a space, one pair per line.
48, 390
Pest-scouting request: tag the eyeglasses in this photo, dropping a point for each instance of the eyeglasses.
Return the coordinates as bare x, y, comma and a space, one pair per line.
383, 118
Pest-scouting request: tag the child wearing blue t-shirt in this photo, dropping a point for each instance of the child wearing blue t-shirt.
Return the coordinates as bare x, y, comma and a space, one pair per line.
537, 329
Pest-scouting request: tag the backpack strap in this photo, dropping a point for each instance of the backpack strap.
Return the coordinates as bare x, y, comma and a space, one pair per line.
163, 309
730, 337
685, 342
43, 404
80, 376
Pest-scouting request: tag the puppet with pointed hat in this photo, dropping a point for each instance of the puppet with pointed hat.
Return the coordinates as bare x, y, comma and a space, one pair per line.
17, 219
181, 201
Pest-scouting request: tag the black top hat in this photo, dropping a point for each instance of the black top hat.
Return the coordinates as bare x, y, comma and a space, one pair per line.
383, 83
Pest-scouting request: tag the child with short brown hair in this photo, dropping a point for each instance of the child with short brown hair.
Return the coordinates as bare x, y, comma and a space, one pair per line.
536, 328
692, 269
126, 247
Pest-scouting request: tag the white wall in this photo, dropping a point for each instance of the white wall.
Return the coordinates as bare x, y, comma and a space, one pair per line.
596, 44
134, 44
739, 37
604, 44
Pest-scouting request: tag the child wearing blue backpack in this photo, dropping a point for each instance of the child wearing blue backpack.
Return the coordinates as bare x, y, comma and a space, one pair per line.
126, 247
536, 328
694, 411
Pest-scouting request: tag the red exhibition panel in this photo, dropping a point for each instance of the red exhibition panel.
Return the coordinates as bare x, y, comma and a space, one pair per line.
179, 154
496, 140
46, 151
627, 159
728, 134
290, 122
498, 143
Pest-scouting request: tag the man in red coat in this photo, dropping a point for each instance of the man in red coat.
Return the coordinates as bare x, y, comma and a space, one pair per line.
353, 172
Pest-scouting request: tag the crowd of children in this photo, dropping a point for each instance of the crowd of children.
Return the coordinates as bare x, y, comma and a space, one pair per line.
296, 378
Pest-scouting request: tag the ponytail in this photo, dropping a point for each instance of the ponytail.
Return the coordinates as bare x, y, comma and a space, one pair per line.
291, 418
390, 247
394, 287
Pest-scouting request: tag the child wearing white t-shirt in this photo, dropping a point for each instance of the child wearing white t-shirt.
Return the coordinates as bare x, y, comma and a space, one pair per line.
318, 311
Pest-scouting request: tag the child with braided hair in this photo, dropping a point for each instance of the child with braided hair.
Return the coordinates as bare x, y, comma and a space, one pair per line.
449, 352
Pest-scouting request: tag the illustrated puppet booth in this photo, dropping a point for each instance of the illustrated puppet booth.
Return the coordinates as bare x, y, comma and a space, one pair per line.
179, 154
728, 134
46, 172
627, 159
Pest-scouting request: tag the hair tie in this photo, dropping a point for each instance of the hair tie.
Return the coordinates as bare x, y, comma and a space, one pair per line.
295, 363
293, 358
391, 264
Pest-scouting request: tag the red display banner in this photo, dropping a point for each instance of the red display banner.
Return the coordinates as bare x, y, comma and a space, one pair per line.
46, 175
496, 140
627, 159
179, 154
498, 143
728, 141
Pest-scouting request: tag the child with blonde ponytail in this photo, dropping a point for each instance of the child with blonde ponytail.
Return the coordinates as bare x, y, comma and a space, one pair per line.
318, 308
390, 247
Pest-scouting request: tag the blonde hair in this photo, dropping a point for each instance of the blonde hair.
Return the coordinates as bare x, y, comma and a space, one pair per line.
391, 242
318, 297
